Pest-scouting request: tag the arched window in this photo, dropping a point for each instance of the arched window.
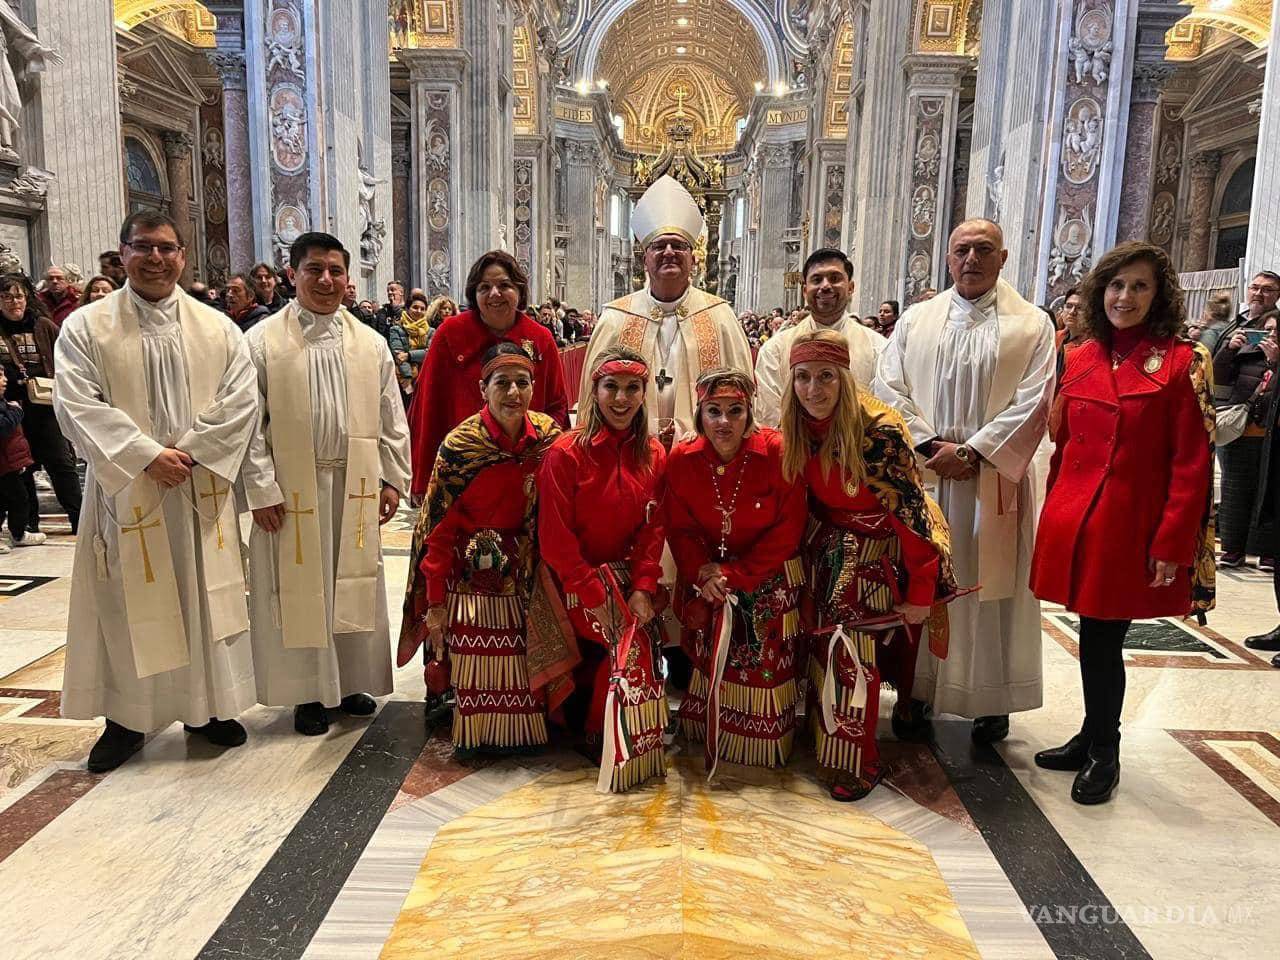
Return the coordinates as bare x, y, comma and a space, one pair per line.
146, 189
1233, 218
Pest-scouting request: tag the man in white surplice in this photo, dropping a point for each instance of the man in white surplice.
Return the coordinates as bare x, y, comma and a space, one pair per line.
972, 372
828, 290
156, 392
325, 472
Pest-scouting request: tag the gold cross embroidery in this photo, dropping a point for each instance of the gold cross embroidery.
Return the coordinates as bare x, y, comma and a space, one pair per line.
362, 497
215, 493
141, 529
297, 527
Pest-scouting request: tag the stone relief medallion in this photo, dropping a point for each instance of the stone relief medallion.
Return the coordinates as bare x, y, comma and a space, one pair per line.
918, 268
219, 258
1170, 158
1162, 218
1072, 237
523, 212
438, 203
438, 272
436, 159
291, 222
288, 128
1094, 28
215, 198
213, 147
1082, 140
923, 208
927, 156
284, 40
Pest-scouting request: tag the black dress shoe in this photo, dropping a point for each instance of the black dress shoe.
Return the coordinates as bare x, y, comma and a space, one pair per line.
1264, 641
916, 726
990, 729
224, 733
310, 719
1072, 755
358, 705
1099, 778
1275, 661
116, 745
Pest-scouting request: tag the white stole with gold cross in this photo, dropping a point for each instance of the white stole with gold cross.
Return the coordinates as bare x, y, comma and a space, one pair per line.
301, 575
153, 607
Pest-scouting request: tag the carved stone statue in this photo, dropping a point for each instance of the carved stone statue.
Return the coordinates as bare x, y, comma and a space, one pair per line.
21, 54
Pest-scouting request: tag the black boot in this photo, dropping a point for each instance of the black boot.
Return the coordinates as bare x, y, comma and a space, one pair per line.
991, 729
310, 720
223, 733
358, 705
1264, 641
1072, 755
916, 726
1100, 775
116, 745
1275, 661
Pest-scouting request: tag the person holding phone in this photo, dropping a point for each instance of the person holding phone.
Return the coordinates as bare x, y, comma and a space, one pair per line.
1243, 370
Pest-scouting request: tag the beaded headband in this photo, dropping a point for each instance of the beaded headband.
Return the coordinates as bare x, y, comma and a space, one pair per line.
624, 368
820, 351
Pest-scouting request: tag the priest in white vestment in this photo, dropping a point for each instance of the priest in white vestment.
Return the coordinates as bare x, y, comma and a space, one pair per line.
972, 372
326, 471
156, 392
828, 291
679, 330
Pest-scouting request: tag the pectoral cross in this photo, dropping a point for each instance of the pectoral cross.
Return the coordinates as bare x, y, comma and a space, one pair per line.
662, 380
141, 529
297, 527
726, 528
362, 497
218, 496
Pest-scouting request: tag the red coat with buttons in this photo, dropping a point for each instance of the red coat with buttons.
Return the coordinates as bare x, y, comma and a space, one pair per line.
1128, 484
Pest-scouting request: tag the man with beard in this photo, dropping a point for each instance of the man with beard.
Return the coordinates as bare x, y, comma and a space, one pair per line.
828, 289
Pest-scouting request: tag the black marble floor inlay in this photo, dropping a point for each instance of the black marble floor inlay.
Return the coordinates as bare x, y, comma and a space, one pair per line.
1076, 918
281, 911
1159, 636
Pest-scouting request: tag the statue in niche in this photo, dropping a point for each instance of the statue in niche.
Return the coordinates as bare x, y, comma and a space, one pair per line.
21, 54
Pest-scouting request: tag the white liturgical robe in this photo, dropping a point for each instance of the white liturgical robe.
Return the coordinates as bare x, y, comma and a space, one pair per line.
338, 663
980, 373
102, 666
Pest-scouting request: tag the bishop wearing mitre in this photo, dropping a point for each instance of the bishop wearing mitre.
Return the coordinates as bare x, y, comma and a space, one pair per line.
325, 472
156, 392
679, 329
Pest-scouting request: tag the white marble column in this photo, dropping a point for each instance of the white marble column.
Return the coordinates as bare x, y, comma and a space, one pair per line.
177, 153
1205, 167
84, 203
878, 189
230, 65
985, 163
776, 177
1264, 218
581, 159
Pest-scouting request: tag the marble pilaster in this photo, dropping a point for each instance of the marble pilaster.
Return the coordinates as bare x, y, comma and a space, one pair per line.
776, 177
402, 212
1264, 223
525, 215
1079, 212
1140, 159
581, 159
986, 166
84, 203
933, 102
878, 189
236, 166
1166, 176
1203, 175
177, 153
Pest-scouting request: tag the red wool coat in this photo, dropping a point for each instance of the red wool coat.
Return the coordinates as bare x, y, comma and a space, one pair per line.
1128, 484
448, 383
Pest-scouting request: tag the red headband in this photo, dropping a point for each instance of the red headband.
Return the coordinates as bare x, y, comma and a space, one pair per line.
506, 360
821, 351
624, 368
723, 391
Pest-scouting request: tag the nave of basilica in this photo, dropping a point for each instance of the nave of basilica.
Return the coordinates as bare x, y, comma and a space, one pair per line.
422, 134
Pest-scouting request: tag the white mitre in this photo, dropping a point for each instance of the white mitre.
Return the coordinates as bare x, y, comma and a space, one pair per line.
666, 207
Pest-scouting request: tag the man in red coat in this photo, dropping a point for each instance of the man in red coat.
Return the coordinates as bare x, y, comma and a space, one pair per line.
497, 294
57, 296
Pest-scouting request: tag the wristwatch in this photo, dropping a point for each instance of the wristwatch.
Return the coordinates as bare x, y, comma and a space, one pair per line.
964, 454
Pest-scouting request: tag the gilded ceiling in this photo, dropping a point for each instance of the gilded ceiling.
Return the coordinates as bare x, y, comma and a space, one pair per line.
423, 23
183, 18
1210, 22
700, 59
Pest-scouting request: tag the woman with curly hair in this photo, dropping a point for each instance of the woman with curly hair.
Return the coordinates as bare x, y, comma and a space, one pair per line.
878, 556
1125, 531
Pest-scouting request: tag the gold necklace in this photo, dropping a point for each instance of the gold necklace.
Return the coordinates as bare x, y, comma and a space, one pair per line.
726, 513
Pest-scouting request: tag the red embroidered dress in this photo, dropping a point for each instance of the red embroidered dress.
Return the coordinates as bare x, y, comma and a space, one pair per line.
756, 692
597, 518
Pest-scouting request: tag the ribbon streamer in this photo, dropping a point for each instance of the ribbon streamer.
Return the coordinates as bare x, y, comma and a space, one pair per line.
719, 660
859, 700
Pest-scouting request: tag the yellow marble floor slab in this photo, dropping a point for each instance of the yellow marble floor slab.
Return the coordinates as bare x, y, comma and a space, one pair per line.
771, 868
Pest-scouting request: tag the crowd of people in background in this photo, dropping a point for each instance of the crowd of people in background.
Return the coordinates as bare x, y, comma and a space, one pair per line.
760, 327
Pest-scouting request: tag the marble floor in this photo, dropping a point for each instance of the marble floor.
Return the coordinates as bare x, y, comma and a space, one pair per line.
374, 842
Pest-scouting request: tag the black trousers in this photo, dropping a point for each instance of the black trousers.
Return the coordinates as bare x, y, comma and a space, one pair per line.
50, 449
13, 501
1102, 676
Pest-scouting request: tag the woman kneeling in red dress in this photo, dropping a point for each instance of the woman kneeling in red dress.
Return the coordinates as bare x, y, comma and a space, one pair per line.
734, 526
1125, 531
878, 556
602, 542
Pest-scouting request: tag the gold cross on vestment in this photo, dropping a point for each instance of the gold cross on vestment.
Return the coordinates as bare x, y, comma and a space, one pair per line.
362, 497
141, 529
218, 496
297, 527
